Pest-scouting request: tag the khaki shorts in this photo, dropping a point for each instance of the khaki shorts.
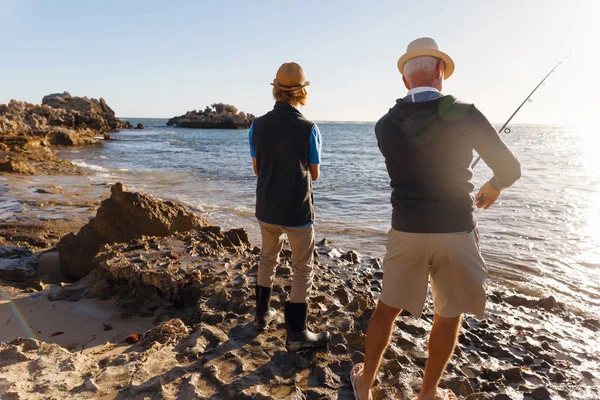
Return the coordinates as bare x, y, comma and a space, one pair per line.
451, 261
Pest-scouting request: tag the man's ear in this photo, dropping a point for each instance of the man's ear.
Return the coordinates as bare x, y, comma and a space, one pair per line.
406, 84
440, 69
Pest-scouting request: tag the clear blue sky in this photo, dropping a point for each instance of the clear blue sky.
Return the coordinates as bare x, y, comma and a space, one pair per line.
160, 59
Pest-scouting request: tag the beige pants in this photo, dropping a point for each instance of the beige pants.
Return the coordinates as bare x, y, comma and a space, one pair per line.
302, 242
450, 261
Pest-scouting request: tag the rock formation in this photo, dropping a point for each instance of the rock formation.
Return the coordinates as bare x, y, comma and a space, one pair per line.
91, 113
123, 217
217, 116
27, 130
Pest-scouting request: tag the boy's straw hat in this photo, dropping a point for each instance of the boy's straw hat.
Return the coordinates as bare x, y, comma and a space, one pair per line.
290, 76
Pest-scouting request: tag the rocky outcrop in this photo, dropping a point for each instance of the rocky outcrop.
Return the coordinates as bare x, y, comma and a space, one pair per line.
91, 113
28, 130
217, 116
123, 217
15, 167
142, 263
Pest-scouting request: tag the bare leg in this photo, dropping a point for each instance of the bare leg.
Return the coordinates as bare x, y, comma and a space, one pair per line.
442, 339
378, 338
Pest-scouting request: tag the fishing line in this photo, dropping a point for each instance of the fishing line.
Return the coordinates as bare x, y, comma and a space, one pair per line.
527, 100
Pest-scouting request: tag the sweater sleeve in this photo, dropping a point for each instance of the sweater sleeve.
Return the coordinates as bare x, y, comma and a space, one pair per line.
492, 149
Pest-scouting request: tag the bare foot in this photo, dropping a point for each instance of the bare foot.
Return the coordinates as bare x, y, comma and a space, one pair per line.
363, 392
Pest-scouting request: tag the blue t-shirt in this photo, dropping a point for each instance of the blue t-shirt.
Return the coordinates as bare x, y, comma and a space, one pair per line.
314, 154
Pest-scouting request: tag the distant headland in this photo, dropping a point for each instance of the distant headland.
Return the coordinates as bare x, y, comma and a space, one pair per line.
216, 116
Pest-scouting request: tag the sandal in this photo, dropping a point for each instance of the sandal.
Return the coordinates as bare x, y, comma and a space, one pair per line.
353, 376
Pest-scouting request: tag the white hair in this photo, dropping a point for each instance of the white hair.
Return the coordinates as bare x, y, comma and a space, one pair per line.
424, 65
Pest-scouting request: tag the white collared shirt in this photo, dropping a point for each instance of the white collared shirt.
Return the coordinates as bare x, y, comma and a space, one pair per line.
420, 89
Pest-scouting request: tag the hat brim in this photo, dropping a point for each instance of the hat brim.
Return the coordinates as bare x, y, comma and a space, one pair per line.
448, 62
289, 88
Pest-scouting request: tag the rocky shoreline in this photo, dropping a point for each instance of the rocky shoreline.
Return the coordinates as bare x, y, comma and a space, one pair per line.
216, 116
194, 282
28, 131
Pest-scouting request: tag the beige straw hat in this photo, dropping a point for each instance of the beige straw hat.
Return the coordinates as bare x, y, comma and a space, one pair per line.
426, 47
290, 76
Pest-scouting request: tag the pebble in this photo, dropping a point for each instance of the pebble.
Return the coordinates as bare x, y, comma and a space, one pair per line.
540, 393
513, 375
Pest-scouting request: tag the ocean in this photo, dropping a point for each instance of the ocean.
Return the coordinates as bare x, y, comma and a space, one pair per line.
542, 237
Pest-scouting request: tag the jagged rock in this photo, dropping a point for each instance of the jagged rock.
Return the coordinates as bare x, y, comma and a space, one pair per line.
159, 265
26, 131
217, 116
352, 257
60, 136
95, 114
123, 217
460, 386
540, 393
15, 167
139, 126
17, 264
167, 332
61, 119
513, 375
548, 303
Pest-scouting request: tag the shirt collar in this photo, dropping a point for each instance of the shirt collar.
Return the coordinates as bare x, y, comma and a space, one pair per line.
422, 89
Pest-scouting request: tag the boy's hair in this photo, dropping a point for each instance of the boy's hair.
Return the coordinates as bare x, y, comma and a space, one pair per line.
293, 97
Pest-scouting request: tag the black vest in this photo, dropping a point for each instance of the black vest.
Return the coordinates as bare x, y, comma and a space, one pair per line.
281, 139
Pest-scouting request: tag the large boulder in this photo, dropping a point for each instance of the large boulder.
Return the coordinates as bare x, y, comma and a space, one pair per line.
123, 217
217, 116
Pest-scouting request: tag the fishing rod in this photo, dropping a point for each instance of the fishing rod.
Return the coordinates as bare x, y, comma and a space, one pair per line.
528, 99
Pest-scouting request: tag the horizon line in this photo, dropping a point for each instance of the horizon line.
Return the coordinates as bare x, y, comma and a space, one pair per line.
373, 122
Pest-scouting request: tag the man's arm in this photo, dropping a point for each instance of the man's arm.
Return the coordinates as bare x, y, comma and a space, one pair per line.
492, 149
255, 165
314, 154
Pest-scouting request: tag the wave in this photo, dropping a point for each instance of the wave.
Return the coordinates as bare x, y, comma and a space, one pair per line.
93, 167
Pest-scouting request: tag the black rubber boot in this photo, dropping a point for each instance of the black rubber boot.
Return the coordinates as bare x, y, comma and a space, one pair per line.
264, 313
298, 336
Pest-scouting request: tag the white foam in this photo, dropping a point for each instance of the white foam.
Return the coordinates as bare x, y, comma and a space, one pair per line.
93, 167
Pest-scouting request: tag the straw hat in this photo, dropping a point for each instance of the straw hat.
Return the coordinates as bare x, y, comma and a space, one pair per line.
426, 47
290, 76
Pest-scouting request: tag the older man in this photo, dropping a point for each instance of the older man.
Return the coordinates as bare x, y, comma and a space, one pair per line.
427, 140
286, 153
